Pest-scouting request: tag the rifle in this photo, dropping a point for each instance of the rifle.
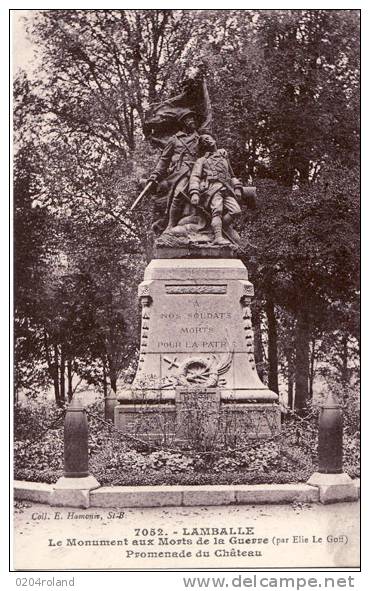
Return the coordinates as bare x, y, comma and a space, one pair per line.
143, 193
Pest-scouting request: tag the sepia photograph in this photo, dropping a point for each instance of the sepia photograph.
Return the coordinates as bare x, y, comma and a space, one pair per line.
186, 223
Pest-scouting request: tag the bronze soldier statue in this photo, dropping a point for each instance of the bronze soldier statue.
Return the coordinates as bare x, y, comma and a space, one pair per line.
213, 185
175, 165
176, 125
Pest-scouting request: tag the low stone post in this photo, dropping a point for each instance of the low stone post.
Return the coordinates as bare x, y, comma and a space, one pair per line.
73, 489
334, 484
76, 441
331, 437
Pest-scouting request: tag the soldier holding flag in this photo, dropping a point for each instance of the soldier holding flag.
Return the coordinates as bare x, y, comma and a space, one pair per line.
186, 115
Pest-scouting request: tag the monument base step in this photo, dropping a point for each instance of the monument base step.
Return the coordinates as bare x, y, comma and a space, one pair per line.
204, 423
154, 396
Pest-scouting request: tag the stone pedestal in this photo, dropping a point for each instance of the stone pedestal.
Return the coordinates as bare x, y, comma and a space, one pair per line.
197, 337
73, 492
334, 488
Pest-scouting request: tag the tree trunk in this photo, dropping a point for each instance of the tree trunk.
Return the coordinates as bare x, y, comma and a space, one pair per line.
258, 345
62, 375
344, 360
112, 375
288, 345
290, 382
69, 378
54, 368
105, 382
302, 365
52, 363
273, 380
113, 383
312, 368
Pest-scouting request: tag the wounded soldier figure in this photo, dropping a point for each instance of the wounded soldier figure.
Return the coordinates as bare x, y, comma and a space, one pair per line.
213, 186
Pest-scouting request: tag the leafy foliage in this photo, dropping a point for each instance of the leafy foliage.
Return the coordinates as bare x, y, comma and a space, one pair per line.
116, 460
284, 85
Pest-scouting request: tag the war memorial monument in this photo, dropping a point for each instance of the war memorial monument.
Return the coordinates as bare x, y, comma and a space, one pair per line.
196, 351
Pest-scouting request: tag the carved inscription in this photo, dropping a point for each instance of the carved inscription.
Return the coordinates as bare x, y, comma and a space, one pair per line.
169, 345
208, 316
201, 289
196, 316
186, 330
191, 345
195, 330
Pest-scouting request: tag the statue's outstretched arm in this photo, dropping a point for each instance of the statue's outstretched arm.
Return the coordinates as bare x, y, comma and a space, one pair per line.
163, 163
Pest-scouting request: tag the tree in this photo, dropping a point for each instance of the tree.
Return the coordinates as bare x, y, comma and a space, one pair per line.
33, 244
105, 65
284, 89
308, 256
289, 111
30, 252
99, 253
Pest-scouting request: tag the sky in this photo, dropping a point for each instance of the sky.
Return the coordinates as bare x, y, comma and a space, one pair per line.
23, 54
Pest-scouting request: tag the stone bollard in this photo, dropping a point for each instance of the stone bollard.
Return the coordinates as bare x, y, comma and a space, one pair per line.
331, 437
73, 489
333, 484
76, 444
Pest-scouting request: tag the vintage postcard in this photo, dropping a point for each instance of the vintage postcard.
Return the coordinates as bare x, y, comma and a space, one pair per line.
186, 290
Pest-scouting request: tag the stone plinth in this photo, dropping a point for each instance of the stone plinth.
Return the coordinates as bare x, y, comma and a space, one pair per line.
73, 492
153, 423
202, 425
198, 415
197, 335
334, 488
196, 251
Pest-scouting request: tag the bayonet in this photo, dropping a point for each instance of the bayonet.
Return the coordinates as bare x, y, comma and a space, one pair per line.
143, 193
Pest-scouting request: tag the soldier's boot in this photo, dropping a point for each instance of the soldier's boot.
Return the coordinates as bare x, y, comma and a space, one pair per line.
217, 230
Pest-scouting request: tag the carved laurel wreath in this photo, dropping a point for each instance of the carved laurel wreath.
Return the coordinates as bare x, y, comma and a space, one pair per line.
198, 370
204, 371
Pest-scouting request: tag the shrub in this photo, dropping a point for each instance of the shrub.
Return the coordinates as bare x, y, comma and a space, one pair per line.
117, 460
33, 418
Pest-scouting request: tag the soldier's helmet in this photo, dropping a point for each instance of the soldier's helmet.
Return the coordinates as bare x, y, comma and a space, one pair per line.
186, 113
207, 142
